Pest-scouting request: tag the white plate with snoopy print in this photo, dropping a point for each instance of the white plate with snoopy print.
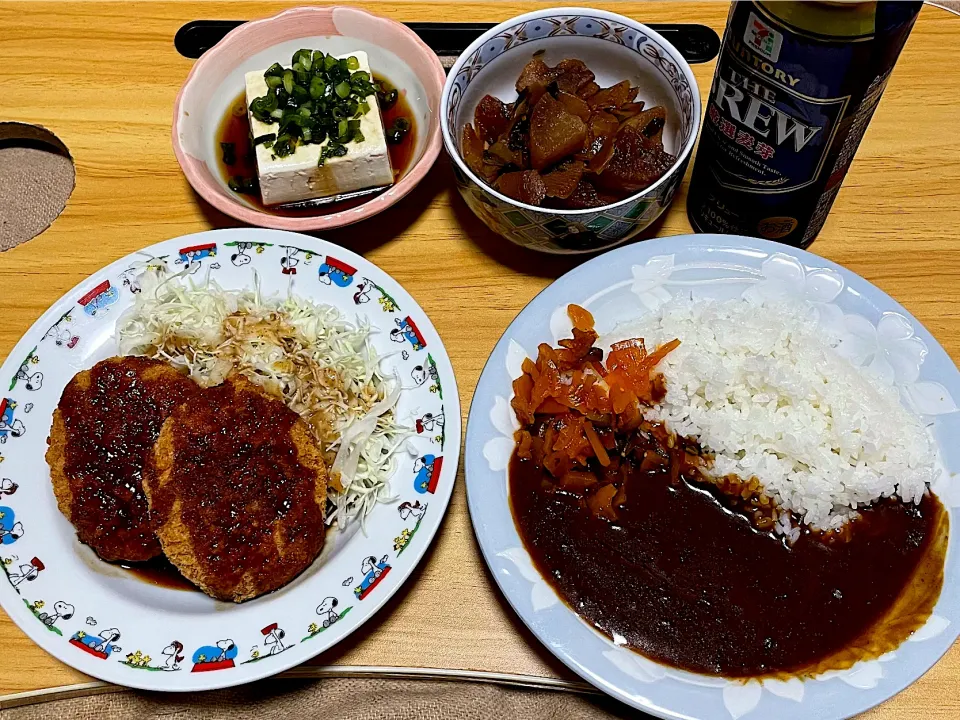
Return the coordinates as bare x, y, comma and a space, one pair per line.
622, 285
109, 623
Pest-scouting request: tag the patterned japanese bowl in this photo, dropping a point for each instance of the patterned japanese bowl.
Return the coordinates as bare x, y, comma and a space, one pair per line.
217, 78
615, 48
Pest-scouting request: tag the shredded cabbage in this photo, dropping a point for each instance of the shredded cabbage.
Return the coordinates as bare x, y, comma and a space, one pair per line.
323, 367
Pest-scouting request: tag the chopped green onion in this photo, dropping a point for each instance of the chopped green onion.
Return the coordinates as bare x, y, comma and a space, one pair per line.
388, 99
300, 94
402, 124
333, 149
306, 59
228, 152
319, 98
239, 184
283, 146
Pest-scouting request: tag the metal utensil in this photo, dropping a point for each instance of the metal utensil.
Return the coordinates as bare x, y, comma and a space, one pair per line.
320, 202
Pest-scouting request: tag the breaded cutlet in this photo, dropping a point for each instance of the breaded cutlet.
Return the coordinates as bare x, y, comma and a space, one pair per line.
108, 419
237, 491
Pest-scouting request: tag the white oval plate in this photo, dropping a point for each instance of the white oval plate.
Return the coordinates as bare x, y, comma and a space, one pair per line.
621, 285
107, 623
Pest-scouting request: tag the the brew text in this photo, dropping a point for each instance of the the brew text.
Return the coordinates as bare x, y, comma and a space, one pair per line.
747, 102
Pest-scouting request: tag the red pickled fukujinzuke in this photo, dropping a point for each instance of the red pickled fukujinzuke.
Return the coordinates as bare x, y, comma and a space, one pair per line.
578, 404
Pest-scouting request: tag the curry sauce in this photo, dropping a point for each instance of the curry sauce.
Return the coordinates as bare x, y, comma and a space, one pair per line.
628, 523
683, 577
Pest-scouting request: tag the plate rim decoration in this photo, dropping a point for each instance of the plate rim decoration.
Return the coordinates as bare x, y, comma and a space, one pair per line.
644, 270
224, 52
86, 316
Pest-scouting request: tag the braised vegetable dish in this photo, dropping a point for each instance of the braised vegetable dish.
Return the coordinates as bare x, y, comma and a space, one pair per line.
566, 142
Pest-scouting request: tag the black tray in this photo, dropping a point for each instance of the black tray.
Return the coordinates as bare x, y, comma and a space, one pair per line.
697, 43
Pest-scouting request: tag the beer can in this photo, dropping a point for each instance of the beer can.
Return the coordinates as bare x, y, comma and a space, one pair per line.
795, 88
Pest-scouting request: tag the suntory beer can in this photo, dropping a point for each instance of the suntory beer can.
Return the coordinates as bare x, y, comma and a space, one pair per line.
795, 88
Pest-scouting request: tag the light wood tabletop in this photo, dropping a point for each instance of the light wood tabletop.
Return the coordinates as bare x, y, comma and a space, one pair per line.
103, 75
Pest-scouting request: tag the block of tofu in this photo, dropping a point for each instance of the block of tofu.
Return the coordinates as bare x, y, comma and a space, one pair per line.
297, 177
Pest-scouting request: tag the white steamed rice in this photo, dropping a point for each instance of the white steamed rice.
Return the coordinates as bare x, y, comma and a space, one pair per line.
761, 387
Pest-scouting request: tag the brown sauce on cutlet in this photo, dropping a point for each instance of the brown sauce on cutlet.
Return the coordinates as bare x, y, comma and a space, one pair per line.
237, 479
687, 579
161, 573
110, 426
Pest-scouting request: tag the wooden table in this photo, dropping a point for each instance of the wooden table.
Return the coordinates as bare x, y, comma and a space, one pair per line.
102, 76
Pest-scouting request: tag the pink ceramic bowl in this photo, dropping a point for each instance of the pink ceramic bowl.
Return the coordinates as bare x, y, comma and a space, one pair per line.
217, 78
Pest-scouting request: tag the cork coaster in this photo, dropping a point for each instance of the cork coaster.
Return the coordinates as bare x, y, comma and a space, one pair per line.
36, 179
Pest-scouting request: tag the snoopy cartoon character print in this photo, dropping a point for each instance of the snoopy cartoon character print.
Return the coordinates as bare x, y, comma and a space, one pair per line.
244, 252
61, 611
139, 650
10, 426
11, 529
374, 571
192, 257
99, 299
169, 660
295, 258
62, 332
274, 642
100, 645
219, 656
19, 572
336, 272
427, 473
27, 373
406, 331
